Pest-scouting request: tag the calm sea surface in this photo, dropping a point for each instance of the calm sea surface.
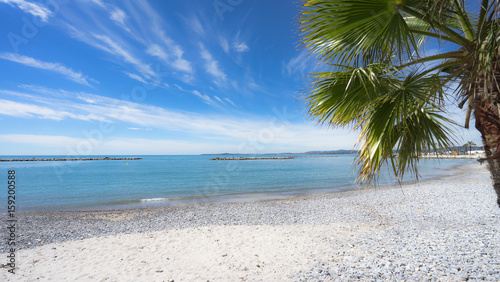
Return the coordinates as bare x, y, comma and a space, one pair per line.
167, 180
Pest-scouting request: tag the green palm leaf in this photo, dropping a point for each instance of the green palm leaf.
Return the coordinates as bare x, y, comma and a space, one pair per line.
356, 32
383, 85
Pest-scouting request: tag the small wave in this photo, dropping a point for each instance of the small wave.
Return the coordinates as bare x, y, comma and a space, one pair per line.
183, 198
155, 200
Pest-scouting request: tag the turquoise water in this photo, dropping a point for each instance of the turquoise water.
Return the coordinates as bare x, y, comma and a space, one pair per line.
166, 180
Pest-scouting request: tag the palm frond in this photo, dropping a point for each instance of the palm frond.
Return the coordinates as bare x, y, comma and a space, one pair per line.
407, 120
381, 86
356, 32
340, 98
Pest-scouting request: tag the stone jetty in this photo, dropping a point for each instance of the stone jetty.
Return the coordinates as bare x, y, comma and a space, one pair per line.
68, 159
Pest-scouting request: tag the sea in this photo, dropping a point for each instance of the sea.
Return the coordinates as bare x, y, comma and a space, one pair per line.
178, 180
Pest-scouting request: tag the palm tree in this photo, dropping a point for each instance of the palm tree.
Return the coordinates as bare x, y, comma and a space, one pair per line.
382, 83
469, 144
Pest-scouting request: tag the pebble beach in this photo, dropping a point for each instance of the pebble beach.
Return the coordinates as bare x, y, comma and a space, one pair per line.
443, 229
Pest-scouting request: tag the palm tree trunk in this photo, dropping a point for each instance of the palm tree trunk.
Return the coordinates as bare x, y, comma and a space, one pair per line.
488, 123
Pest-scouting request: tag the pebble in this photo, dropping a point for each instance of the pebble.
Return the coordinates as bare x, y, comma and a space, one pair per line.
445, 229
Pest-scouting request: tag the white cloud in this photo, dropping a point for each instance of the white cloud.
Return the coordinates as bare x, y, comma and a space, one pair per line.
30, 8
118, 16
298, 64
144, 26
253, 85
59, 141
195, 24
65, 145
173, 55
11, 108
224, 44
240, 46
110, 45
54, 67
206, 99
157, 51
114, 48
218, 99
187, 78
136, 77
98, 3
182, 65
77, 33
177, 62
272, 134
212, 66
231, 102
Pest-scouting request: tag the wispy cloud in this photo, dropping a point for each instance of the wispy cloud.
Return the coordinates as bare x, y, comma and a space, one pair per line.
58, 145
44, 140
212, 66
30, 8
118, 16
136, 128
187, 78
230, 102
224, 44
206, 99
298, 64
111, 46
99, 3
114, 48
182, 64
176, 62
157, 51
279, 130
218, 99
53, 67
173, 52
143, 26
195, 24
237, 45
240, 46
136, 77
11, 108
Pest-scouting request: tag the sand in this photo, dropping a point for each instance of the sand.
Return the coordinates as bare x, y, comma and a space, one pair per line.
441, 229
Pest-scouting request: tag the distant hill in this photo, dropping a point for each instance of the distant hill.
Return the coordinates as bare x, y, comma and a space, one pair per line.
334, 152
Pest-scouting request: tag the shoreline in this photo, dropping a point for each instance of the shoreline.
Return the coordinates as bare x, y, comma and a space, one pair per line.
442, 228
255, 196
228, 201
471, 157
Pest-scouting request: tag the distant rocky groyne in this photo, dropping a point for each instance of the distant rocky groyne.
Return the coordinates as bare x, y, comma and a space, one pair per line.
264, 158
68, 159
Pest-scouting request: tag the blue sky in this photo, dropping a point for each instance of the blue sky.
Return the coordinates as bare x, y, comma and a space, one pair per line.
156, 77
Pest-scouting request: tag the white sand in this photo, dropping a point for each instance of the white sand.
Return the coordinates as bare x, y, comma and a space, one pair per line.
209, 253
281, 252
